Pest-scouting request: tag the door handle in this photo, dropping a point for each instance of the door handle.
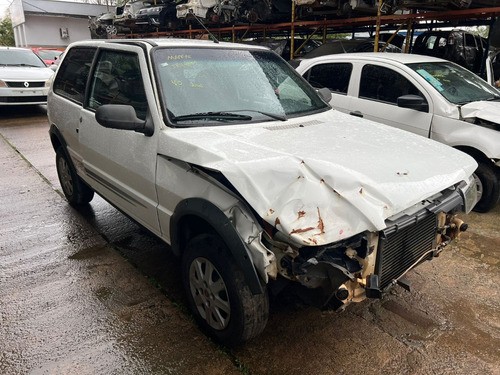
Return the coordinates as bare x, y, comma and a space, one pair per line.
356, 113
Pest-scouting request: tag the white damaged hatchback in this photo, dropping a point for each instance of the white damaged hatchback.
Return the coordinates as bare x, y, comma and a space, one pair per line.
228, 155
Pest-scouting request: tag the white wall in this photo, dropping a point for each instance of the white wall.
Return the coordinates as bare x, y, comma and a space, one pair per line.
45, 31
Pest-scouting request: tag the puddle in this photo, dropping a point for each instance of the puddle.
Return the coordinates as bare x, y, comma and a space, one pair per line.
410, 316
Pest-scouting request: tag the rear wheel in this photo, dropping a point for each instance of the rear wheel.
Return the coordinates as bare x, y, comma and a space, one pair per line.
74, 189
218, 295
488, 187
111, 30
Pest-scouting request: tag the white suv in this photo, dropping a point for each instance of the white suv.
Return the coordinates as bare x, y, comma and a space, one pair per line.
228, 155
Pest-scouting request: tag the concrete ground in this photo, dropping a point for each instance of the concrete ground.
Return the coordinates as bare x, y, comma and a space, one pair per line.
90, 292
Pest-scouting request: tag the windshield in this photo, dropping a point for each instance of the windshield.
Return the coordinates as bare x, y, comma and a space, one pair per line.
49, 54
458, 85
229, 86
19, 57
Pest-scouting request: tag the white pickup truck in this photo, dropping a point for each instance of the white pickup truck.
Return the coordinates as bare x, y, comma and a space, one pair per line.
225, 153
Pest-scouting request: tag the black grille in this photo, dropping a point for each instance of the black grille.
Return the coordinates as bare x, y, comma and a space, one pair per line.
400, 248
23, 99
21, 84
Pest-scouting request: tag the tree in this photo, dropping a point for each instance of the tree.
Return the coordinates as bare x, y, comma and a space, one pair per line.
6, 33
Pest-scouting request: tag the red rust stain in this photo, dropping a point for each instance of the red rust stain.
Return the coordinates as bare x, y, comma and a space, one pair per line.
277, 222
321, 225
341, 232
301, 214
271, 211
301, 230
313, 240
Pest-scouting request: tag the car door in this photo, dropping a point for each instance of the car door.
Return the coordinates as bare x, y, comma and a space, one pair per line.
120, 164
376, 97
336, 76
69, 85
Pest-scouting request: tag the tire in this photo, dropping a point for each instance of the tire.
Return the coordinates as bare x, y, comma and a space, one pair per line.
75, 190
111, 30
222, 304
488, 187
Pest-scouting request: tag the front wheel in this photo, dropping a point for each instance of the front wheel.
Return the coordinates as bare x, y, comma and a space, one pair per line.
488, 187
75, 190
218, 295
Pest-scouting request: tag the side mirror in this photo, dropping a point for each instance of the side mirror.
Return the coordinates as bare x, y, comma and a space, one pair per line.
325, 94
415, 102
123, 117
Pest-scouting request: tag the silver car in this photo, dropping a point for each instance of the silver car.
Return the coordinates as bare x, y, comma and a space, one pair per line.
24, 77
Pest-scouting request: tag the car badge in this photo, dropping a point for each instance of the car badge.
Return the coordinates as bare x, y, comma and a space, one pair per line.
26, 84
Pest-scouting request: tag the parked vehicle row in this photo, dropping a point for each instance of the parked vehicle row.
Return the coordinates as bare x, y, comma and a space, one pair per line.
227, 154
145, 15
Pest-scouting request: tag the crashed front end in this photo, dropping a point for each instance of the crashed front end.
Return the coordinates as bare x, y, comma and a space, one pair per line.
368, 264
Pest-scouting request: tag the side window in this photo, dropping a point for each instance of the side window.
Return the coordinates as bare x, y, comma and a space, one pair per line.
430, 42
383, 84
333, 76
117, 79
72, 75
470, 41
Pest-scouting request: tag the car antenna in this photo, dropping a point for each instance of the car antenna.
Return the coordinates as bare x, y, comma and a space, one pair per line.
202, 25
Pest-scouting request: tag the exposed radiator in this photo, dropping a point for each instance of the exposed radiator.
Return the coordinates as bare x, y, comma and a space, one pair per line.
401, 247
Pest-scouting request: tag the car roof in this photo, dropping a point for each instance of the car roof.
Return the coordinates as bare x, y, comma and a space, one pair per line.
173, 42
403, 58
15, 48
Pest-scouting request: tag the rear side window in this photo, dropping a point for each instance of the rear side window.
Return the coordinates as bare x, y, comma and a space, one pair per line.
117, 79
385, 85
470, 41
334, 76
72, 75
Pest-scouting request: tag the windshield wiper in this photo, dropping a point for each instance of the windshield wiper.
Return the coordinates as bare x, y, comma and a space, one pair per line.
218, 116
272, 115
30, 65
494, 98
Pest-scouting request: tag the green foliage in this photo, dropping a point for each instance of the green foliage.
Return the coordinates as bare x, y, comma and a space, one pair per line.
6, 33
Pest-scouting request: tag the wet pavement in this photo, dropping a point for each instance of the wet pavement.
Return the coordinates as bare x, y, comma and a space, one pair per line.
90, 292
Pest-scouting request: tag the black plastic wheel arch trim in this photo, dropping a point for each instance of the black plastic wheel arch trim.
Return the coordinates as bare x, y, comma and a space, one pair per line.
211, 214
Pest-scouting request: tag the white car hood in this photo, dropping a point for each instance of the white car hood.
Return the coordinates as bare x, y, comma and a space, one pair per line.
489, 111
325, 177
25, 73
